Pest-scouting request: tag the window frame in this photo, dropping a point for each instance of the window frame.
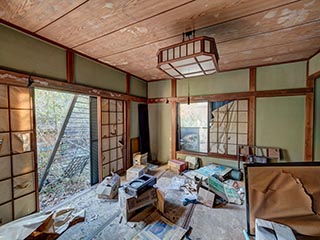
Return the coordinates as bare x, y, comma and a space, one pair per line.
208, 153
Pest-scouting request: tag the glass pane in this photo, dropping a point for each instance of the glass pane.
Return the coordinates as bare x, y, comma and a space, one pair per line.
194, 122
105, 157
243, 116
120, 164
222, 148
4, 120
113, 166
105, 131
119, 129
243, 105
184, 62
197, 47
214, 137
119, 106
206, 46
104, 118
105, 144
176, 52
214, 147
232, 138
189, 69
232, 149
104, 104
242, 127
106, 170
112, 105
170, 54
119, 118
243, 139
183, 49
190, 48
113, 142
113, 154
112, 117
164, 55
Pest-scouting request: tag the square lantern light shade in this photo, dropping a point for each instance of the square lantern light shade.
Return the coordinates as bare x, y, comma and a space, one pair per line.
191, 58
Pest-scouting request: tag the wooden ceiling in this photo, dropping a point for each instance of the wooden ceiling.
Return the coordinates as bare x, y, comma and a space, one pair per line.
128, 33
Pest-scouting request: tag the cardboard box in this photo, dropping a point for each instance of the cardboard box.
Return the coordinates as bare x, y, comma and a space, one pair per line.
140, 159
129, 204
136, 171
279, 231
206, 197
177, 166
223, 190
108, 188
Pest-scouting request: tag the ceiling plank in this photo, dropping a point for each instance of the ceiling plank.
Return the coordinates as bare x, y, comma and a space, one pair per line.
195, 15
33, 15
294, 34
303, 55
98, 17
284, 41
272, 20
312, 43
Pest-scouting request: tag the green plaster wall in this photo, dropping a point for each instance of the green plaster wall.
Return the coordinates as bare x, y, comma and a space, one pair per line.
281, 76
23, 53
280, 123
160, 131
225, 82
159, 89
93, 74
207, 160
314, 64
138, 87
134, 120
316, 146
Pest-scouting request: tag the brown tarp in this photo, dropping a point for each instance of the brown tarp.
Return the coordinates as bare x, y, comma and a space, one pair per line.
287, 195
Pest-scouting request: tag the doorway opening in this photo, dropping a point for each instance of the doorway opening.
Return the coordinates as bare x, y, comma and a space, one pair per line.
63, 145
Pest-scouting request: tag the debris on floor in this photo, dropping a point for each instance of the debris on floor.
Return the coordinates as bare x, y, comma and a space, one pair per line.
140, 159
136, 171
108, 188
224, 190
177, 166
270, 230
161, 228
42, 225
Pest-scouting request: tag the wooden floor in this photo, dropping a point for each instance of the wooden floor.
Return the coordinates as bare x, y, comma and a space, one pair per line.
104, 221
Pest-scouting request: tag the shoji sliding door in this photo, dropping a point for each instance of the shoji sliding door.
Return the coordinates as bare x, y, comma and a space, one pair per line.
113, 135
18, 176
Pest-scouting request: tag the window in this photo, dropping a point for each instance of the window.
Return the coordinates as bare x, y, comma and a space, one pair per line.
194, 127
219, 132
228, 126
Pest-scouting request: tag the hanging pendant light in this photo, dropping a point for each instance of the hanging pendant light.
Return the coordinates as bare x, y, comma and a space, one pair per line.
194, 57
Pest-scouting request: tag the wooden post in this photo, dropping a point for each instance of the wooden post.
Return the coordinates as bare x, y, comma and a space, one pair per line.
252, 106
173, 118
70, 66
128, 105
309, 115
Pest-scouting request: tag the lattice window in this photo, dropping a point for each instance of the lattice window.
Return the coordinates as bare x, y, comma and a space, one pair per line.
113, 135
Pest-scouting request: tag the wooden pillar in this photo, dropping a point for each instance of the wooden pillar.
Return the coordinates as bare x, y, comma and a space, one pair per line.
308, 125
252, 106
70, 66
128, 105
173, 118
